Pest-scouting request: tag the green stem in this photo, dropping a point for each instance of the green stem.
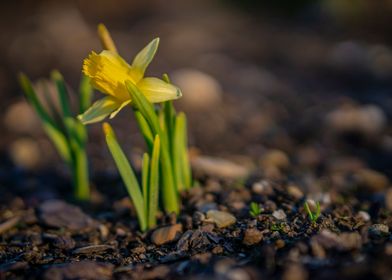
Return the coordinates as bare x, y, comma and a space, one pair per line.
80, 175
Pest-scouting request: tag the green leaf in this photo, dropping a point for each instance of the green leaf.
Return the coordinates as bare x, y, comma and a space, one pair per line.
145, 180
63, 94
85, 94
80, 174
145, 129
154, 183
127, 175
59, 141
33, 100
180, 153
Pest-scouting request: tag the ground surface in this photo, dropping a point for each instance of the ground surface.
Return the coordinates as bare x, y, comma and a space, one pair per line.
300, 106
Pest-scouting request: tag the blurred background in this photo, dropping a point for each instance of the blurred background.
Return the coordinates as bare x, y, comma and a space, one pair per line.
305, 82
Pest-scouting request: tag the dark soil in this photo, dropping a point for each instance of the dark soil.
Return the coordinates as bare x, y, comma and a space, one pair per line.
47, 238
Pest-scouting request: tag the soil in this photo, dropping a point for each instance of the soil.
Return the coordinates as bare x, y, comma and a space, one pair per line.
44, 237
304, 111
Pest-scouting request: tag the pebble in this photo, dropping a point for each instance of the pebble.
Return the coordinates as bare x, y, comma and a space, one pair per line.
92, 249
59, 214
295, 271
221, 219
62, 242
279, 244
166, 234
372, 180
252, 236
364, 216
368, 120
9, 224
200, 90
79, 270
20, 118
218, 167
346, 241
279, 214
104, 231
295, 192
198, 217
378, 231
275, 158
25, 152
262, 187
388, 199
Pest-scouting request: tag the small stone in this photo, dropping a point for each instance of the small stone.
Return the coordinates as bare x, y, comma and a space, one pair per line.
79, 270
217, 250
368, 120
388, 199
346, 241
262, 187
220, 218
21, 118
25, 152
92, 249
295, 271
388, 249
378, 231
204, 206
139, 250
372, 180
279, 215
62, 242
166, 234
217, 167
252, 236
198, 217
59, 214
275, 158
279, 244
295, 192
200, 90
364, 216
104, 231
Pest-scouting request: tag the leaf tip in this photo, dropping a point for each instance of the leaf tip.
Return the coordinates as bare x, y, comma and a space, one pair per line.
107, 129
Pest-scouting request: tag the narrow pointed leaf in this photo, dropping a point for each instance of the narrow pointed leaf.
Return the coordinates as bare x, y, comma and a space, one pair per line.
145, 180
85, 94
63, 94
59, 141
145, 129
180, 153
154, 184
127, 175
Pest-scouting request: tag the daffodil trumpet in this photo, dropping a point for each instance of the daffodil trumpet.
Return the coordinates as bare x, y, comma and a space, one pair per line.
108, 73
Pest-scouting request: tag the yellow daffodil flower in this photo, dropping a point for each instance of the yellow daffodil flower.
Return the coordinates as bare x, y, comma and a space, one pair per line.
108, 72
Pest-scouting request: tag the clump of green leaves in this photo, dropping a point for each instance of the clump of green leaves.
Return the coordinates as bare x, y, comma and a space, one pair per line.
313, 216
66, 132
172, 130
255, 209
166, 168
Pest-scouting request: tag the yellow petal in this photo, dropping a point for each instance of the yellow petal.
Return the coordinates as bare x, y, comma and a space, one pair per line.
157, 90
143, 59
108, 72
100, 110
